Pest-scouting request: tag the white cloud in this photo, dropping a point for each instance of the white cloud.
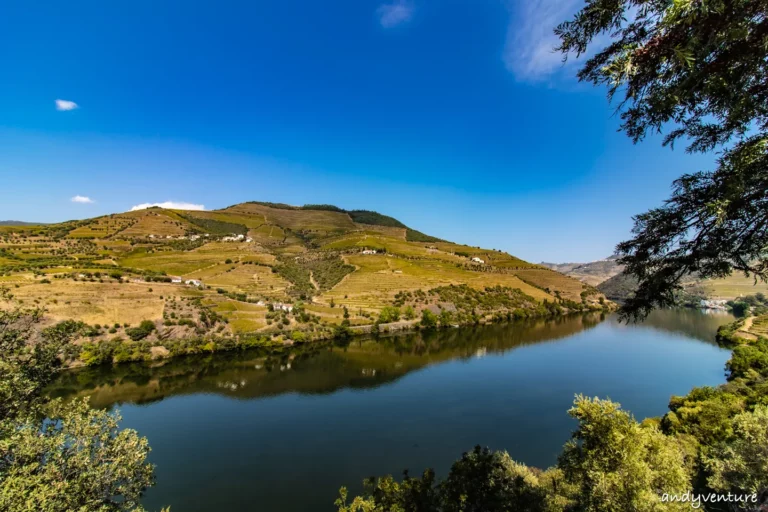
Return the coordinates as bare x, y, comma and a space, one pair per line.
64, 105
171, 205
529, 50
82, 199
394, 13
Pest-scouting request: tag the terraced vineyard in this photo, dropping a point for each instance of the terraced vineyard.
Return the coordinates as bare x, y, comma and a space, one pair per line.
261, 271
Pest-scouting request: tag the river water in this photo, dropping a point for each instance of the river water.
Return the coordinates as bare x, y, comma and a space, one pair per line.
282, 431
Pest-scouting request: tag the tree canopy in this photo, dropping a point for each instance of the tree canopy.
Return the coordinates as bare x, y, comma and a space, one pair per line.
55, 456
698, 69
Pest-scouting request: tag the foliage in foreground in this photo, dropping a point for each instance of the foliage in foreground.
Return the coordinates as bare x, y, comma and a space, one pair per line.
713, 440
699, 66
55, 457
612, 463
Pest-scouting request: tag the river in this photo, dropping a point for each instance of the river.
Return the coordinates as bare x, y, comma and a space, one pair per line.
282, 431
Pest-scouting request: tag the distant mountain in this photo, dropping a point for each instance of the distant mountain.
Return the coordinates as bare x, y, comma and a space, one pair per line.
606, 275
592, 273
619, 287
19, 223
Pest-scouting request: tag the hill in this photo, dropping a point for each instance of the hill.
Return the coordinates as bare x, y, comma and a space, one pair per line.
18, 223
265, 271
592, 273
607, 276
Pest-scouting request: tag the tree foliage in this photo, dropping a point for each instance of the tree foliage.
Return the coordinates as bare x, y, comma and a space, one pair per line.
54, 456
612, 464
742, 464
698, 67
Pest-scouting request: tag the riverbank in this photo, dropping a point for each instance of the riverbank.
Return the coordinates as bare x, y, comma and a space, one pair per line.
745, 330
119, 351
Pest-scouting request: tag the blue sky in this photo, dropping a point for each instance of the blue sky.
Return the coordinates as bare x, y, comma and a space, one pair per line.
452, 115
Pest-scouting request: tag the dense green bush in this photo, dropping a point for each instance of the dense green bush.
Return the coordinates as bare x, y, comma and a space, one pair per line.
144, 329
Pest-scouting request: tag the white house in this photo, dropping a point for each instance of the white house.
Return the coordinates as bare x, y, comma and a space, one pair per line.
176, 280
369, 251
714, 304
478, 260
277, 306
193, 282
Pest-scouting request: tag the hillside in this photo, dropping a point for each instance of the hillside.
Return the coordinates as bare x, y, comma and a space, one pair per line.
592, 273
270, 270
606, 275
18, 223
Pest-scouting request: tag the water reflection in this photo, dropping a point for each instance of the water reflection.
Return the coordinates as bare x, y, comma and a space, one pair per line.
693, 323
309, 369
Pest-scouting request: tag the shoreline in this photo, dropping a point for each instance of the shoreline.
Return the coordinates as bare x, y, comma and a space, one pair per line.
125, 352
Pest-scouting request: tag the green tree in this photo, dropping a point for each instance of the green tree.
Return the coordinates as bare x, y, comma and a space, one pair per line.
389, 314
741, 465
54, 456
486, 481
409, 313
618, 464
700, 68
428, 319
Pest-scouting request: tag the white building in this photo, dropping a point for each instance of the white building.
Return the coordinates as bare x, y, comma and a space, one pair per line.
714, 304
369, 251
193, 282
478, 260
176, 280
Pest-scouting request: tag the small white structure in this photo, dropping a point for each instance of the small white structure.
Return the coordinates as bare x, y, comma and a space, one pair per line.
194, 237
248, 240
176, 280
151, 236
193, 282
369, 251
277, 306
478, 260
714, 304
233, 238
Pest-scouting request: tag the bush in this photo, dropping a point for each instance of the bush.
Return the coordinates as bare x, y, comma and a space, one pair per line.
144, 329
389, 314
428, 319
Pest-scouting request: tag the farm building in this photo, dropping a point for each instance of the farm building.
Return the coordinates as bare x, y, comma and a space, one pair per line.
478, 260
369, 251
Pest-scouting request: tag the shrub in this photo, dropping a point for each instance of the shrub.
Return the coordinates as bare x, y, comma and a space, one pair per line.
144, 329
